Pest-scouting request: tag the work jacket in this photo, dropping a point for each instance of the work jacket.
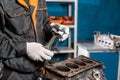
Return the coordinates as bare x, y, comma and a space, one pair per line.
18, 25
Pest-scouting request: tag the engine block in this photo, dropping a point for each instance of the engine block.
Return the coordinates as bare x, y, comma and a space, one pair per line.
80, 68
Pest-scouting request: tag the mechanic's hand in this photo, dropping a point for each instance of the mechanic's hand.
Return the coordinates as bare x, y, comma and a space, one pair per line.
61, 30
37, 52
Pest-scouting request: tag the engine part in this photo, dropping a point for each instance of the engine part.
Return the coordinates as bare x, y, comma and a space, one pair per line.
110, 41
80, 68
65, 20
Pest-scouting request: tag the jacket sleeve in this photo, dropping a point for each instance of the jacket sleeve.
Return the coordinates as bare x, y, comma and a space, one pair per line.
47, 26
8, 47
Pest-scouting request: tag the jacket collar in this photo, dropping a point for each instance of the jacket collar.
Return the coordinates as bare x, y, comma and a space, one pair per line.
33, 3
23, 3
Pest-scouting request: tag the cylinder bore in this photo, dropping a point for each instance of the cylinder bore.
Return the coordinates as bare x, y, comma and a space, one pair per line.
86, 61
62, 68
80, 63
71, 65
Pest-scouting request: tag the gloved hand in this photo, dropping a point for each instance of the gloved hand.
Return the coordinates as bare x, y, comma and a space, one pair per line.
37, 52
61, 30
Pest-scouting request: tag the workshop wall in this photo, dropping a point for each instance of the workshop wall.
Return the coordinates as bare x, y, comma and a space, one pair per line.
93, 15
98, 15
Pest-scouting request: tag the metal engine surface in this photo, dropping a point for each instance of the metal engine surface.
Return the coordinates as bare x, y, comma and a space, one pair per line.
110, 41
80, 68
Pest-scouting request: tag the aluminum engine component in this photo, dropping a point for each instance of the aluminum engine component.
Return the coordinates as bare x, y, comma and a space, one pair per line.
80, 68
109, 41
